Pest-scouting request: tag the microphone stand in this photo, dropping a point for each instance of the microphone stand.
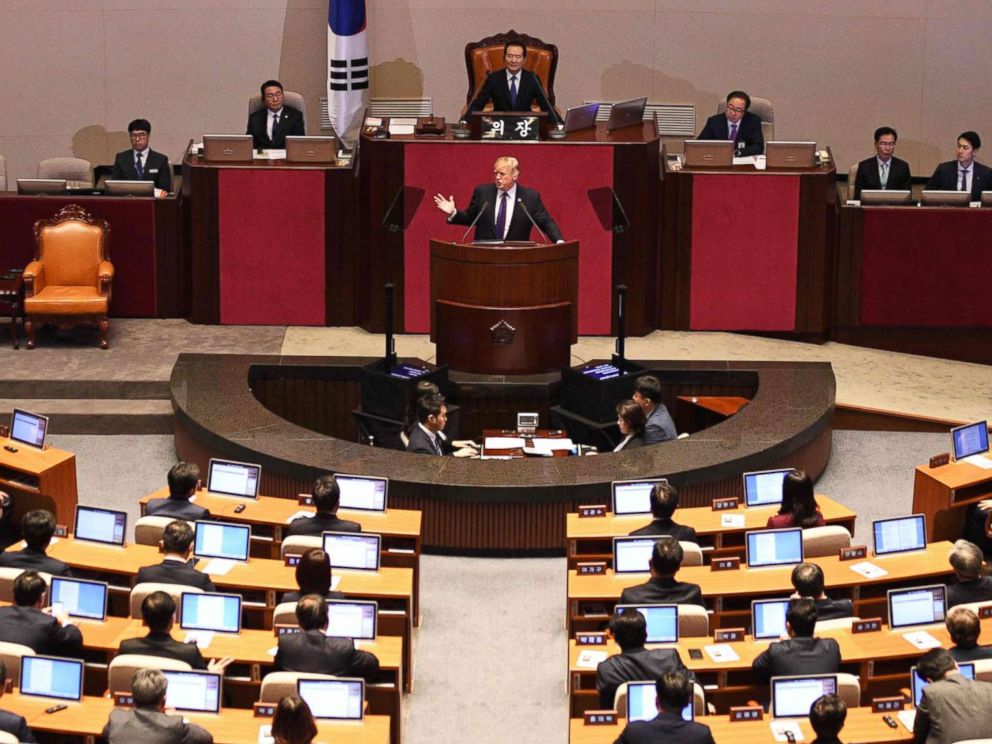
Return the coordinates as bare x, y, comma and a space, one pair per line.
527, 212
483, 209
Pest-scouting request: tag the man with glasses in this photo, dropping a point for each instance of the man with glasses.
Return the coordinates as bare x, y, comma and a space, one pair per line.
270, 126
884, 171
141, 163
738, 125
513, 88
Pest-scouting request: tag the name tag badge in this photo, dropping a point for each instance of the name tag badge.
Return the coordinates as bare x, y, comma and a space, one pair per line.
153, 170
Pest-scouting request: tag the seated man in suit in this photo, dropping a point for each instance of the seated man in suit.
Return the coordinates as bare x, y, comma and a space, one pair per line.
954, 708
38, 528
738, 125
12, 723
674, 693
963, 173
269, 126
513, 88
966, 559
647, 394
141, 163
964, 627
826, 717
634, 662
313, 651
183, 478
147, 721
31, 624
802, 653
503, 210
664, 502
158, 610
432, 415
176, 567
326, 497
807, 580
662, 586
885, 170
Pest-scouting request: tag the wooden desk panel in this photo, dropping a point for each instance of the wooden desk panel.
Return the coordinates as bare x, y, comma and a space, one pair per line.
943, 495
39, 479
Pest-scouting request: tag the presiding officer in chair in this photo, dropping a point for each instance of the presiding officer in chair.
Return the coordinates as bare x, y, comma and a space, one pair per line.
513, 88
505, 210
269, 126
141, 163
738, 125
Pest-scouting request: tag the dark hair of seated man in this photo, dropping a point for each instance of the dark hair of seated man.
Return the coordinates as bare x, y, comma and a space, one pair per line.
311, 612
666, 557
827, 716
629, 629
664, 500
326, 494
964, 627
177, 537
801, 617
158, 610
38, 528
183, 478
29, 588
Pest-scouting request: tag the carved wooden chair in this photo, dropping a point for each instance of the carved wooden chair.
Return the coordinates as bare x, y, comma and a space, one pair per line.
68, 282
486, 55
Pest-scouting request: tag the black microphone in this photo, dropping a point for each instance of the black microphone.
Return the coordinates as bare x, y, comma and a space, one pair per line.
481, 210
527, 212
551, 109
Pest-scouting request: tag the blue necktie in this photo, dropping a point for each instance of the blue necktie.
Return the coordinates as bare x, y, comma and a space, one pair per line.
501, 217
964, 180
137, 166
513, 92
733, 132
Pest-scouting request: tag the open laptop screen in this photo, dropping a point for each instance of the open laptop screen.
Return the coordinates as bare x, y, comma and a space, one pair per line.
641, 706
662, 621
353, 550
100, 525
28, 428
80, 598
900, 534
362, 492
196, 691
921, 605
352, 619
970, 439
633, 497
764, 488
774, 547
51, 677
768, 618
793, 696
234, 478
220, 540
918, 683
333, 698
632, 554
220, 613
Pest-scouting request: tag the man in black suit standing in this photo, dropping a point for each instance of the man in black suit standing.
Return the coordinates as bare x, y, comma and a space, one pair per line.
802, 653
269, 126
313, 651
674, 693
513, 88
326, 497
176, 567
183, 478
28, 624
885, 170
505, 210
738, 125
432, 415
141, 163
963, 173
38, 528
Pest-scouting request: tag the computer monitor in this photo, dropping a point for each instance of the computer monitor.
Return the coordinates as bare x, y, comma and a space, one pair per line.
129, 188
641, 702
311, 149
885, 197
353, 550
768, 618
774, 547
708, 153
581, 117
764, 487
193, 691
80, 598
227, 147
782, 154
917, 683
793, 696
220, 613
349, 618
230, 478
626, 113
363, 492
987, 198
632, 554
40, 186
633, 497
939, 198
920, 605
222, 540
100, 525
341, 699
900, 534
967, 440
28, 428
52, 677
662, 621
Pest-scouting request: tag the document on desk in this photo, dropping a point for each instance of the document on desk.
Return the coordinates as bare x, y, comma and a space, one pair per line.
922, 640
869, 570
399, 125
268, 155
732, 520
492, 443
782, 725
219, 567
979, 461
907, 718
748, 160
590, 659
553, 444
202, 638
720, 652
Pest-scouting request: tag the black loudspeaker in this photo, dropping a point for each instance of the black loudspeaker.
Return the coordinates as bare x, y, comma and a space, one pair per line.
593, 390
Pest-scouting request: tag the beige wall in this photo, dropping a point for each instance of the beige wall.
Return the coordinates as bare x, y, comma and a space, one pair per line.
76, 71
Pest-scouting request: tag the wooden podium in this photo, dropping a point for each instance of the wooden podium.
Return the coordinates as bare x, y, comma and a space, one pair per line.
944, 493
505, 309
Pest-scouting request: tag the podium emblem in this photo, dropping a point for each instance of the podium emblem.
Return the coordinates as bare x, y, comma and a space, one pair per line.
502, 333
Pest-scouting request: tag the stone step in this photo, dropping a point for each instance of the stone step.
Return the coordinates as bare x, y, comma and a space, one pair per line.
96, 415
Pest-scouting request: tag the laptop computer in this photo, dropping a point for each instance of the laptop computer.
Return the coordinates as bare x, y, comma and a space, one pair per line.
52, 677
222, 540
349, 618
362, 492
231, 478
220, 613
939, 198
764, 487
28, 428
105, 526
633, 554
339, 699
917, 683
792, 697
633, 497
227, 147
80, 597
199, 692
581, 117
40, 186
662, 621
771, 548
966, 440
360, 551
920, 605
641, 705
129, 188
870, 197
768, 618
627, 113
900, 534
782, 154
708, 153
321, 149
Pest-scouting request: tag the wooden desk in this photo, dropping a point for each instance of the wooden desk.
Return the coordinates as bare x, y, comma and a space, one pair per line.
39, 479
591, 538
943, 494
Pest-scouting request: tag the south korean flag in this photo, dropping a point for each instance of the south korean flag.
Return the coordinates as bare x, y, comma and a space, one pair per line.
347, 67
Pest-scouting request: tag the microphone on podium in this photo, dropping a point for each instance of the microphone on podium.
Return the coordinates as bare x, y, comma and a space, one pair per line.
481, 210
527, 212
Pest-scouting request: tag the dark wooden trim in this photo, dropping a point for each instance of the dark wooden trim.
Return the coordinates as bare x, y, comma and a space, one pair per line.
380, 256
343, 217
171, 259
874, 419
200, 188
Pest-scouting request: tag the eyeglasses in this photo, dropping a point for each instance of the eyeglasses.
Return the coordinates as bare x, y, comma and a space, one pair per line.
735, 109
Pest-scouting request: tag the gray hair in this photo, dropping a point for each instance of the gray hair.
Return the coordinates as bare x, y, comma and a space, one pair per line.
148, 687
966, 559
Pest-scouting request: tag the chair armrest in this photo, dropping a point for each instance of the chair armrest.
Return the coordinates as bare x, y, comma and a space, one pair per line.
105, 273
34, 278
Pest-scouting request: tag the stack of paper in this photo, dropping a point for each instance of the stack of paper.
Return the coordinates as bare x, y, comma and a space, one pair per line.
399, 125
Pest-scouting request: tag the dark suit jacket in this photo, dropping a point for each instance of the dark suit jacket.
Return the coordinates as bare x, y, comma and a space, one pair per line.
420, 443
632, 665
945, 178
312, 651
949, 711
290, 123
495, 88
34, 560
749, 135
975, 653
634, 442
899, 179
966, 592
42, 632
177, 509
149, 726
662, 591
156, 168
797, 656
660, 427
669, 728
662, 527
520, 226
163, 644
321, 522
174, 572
16, 725
833, 609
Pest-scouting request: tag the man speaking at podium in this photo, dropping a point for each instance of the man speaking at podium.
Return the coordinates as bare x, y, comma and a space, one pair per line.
502, 210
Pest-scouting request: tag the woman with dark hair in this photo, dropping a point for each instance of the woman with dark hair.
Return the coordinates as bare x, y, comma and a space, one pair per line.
631, 420
293, 722
313, 576
798, 507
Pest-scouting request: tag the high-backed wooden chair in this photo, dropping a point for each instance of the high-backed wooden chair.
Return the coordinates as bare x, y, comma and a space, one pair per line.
486, 55
69, 281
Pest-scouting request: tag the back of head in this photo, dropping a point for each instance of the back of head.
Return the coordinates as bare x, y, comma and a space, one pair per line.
313, 572
38, 526
311, 612
964, 627
674, 690
157, 610
807, 580
666, 556
797, 491
148, 688
802, 616
293, 722
664, 500
326, 493
649, 387
827, 716
183, 477
177, 537
966, 560
429, 405
29, 588
629, 629
935, 663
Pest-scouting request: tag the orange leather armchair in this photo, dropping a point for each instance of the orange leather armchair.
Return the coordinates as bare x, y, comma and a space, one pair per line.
69, 281
486, 55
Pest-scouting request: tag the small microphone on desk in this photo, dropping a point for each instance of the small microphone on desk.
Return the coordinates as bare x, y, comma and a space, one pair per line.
483, 209
527, 212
